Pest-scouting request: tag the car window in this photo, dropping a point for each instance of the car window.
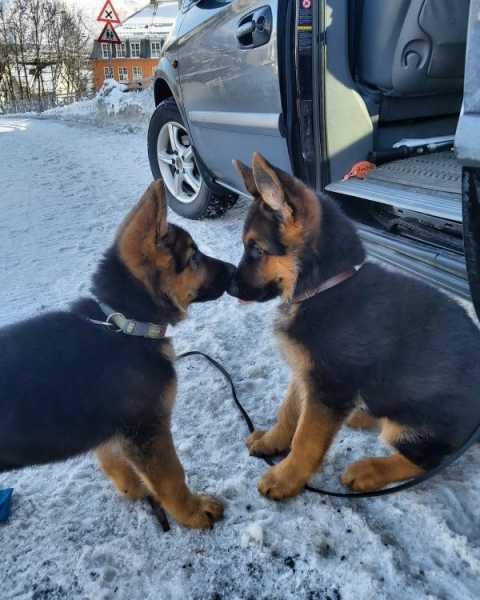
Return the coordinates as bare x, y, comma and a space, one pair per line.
186, 5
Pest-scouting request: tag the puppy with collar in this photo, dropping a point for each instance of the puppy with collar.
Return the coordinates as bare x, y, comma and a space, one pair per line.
71, 382
349, 329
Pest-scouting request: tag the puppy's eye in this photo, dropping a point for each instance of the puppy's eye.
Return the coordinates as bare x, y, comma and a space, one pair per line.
195, 258
255, 251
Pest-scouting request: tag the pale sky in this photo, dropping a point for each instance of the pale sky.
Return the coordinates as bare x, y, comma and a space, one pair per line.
91, 8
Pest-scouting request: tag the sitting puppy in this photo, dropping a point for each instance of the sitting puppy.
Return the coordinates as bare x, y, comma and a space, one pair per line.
347, 329
69, 382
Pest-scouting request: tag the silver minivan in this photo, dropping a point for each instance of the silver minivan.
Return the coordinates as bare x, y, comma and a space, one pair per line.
373, 101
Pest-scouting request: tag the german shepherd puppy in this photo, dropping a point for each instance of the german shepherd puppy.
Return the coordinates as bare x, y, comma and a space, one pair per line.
68, 384
410, 352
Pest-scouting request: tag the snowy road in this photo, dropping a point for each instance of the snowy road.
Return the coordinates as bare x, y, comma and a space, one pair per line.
64, 190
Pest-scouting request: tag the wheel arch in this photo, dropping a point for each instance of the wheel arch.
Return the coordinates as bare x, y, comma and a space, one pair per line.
161, 91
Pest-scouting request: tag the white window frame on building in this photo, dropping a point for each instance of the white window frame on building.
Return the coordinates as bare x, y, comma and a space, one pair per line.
122, 74
108, 71
137, 73
105, 50
133, 53
122, 50
155, 48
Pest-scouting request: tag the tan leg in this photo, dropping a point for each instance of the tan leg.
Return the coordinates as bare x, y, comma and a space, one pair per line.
160, 469
278, 438
316, 429
361, 419
115, 464
371, 474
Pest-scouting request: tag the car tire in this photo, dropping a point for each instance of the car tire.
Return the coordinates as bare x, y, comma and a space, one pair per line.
172, 160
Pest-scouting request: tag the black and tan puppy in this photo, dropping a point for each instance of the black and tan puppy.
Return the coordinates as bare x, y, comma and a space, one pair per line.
69, 384
410, 352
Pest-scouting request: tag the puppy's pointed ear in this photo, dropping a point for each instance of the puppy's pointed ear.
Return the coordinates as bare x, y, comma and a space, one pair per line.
246, 174
270, 187
144, 226
155, 194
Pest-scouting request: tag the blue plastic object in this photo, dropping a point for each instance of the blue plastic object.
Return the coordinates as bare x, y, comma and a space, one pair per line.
5, 502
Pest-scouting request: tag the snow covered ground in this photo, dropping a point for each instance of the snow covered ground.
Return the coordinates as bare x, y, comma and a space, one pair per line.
64, 190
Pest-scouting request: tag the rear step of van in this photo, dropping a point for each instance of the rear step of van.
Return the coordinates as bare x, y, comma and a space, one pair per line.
429, 184
439, 267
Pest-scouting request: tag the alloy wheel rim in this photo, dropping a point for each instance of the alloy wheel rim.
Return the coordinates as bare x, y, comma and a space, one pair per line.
177, 163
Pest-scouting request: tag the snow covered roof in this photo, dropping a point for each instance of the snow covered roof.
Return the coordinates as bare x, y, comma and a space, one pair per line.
154, 20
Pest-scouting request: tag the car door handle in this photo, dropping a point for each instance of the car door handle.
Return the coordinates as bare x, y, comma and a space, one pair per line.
255, 29
245, 30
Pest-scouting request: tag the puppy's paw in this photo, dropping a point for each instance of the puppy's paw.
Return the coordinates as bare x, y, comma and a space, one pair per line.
277, 484
365, 475
254, 439
206, 510
260, 443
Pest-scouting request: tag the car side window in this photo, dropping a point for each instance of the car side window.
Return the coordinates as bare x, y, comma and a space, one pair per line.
186, 5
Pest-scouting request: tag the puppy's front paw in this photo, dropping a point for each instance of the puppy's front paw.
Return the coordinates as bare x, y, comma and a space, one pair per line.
278, 484
205, 511
365, 475
254, 440
259, 444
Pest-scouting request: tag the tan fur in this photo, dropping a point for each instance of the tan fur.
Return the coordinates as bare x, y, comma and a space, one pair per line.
141, 250
315, 431
137, 238
281, 434
296, 355
268, 184
283, 270
116, 465
182, 287
162, 473
292, 234
279, 437
157, 470
393, 432
246, 174
362, 419
371, 474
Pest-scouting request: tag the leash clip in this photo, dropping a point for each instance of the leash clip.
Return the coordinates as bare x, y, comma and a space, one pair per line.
112, 316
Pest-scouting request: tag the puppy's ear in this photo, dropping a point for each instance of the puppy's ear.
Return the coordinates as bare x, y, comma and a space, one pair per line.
143, 228
246, 174
155, 194
270, 187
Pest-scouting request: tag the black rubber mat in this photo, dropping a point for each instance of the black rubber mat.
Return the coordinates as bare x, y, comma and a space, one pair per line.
439, 172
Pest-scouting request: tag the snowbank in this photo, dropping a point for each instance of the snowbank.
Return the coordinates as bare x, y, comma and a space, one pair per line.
111, 106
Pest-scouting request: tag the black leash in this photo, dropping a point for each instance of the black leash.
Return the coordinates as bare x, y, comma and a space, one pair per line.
385, 492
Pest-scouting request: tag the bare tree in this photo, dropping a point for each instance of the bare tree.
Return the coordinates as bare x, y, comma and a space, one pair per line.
43, 52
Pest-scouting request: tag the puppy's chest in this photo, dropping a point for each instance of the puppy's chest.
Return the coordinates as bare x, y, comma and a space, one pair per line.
295, 351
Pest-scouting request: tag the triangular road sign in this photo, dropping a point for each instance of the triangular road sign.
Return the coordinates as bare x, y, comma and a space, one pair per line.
109, 35
108, 14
